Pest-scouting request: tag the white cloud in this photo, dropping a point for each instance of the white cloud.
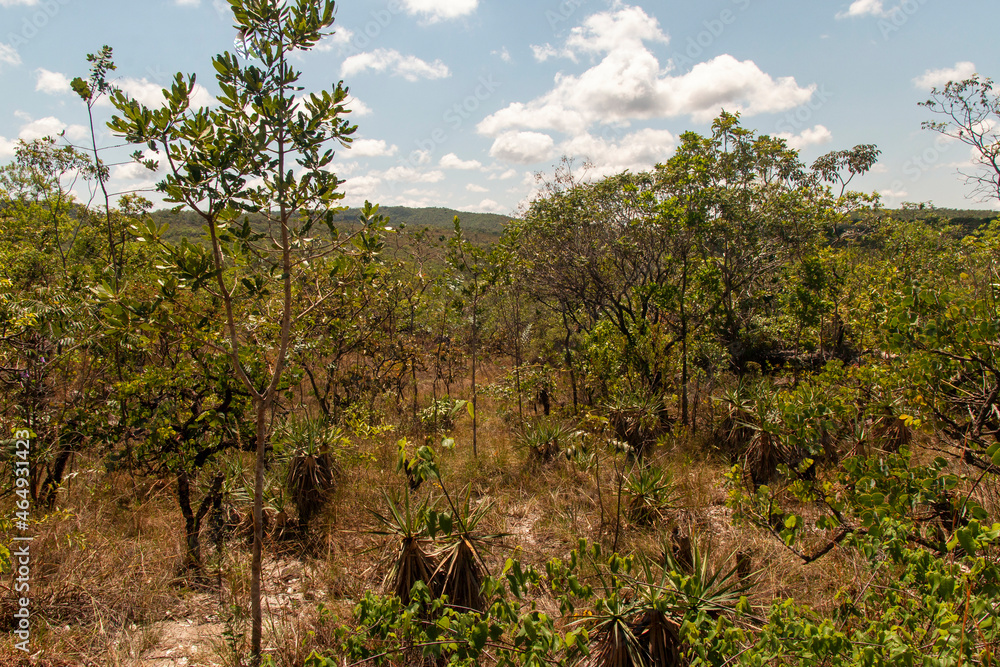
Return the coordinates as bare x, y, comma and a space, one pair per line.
359, 108
863, 8
504, 55
188, 3
338, 41
606, 32
818, 134
412, 175
629, 83
6, 147
452, 161
439, 10
8, 55
938, 78
52, 83
135, 171
50, 126
636, 151
150, 94
544, 52
15, 3
359, 188
522, 147
342, 168
472, 187
505, 176
372, 148
894, 194
410, 68
488, 206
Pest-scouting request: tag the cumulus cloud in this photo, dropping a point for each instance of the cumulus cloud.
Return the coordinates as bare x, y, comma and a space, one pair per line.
52, 83
635, 151
629, 83
488, 206
8, 55
359, 188
894, 194
6, 147
411, 175
452, 161
358, 108
522, 147
864, 8
410, 68
543, 52
15, 3
812, 136
150, 94
50, 126
439, 10
372, 148
473, 187
338, 41
135, 171
938, 78
505, 176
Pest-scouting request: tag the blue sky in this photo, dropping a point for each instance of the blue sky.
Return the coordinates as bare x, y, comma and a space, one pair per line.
460, 102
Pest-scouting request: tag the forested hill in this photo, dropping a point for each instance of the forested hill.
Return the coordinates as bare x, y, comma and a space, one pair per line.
963, 221
487, 227
484, 227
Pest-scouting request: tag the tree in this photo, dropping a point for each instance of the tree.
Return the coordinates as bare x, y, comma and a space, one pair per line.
240, 158
470, 264
972, 116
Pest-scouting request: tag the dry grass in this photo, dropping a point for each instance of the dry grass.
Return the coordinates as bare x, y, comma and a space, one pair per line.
107, 591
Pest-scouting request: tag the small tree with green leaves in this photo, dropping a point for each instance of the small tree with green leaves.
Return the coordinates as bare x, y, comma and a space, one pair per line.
264, 150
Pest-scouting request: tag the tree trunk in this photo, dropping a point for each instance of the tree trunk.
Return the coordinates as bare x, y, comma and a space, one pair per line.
192, 557
517, 354
54, 479
256, 618
475, 412
192, 520
569, 362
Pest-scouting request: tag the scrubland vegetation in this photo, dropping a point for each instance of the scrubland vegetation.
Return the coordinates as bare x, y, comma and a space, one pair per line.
724, 412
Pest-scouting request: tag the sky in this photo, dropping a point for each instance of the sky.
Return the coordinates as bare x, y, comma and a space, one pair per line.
461, 103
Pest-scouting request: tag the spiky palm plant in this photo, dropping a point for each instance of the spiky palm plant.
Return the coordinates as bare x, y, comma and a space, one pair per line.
308, 448
460, 567
546, 440
636, 419
891, 433
747, 433
700, 586
408, 526
650, 491
615, 643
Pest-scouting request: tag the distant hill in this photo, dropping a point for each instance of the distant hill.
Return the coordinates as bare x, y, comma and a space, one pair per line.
481, 227
962, 221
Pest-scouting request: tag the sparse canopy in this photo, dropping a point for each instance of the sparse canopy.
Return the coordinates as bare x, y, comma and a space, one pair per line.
971, 111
